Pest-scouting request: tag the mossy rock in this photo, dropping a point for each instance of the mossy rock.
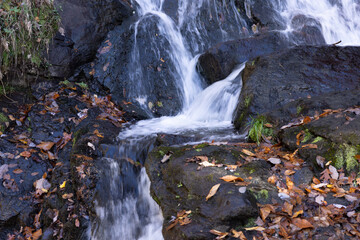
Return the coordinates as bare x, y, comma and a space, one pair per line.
4, 121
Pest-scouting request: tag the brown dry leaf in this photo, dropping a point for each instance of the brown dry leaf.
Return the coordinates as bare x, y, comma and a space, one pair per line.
34, 173
37, 220
310, 146
173, 224
42, 186
230, 178
302, 223
272, 179
25, 154
289, 172
18, 171
247, 152
268, 125
213, 191
239, 235
357, 157
220, 235
299, 137
67, 195
46, 146
265, 211
36, 235
288, 208
255, 229
184, 221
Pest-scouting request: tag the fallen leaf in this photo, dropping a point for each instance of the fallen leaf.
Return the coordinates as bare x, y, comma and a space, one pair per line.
298, 213
288, 207
306, 120
255, 229
289, 172
166, 157
272, 179
351, 198
46, 146
42, 186
268, 125
36, 235
333, 172
320, 199
320, 161
207, 164
274, 160
302, 223
25, 154
247, 152
34, 173
310, 146
212, 191
63, 185
67, 195
240, 235
3, 170
230, 178
18, 171
218, 233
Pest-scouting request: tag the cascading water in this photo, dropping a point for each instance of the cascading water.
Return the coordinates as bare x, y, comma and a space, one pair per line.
125, 209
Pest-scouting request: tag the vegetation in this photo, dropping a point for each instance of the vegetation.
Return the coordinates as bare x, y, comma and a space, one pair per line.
26, 28
258, 129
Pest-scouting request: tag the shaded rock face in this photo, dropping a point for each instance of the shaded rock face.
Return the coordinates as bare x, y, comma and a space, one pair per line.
271, 82
85, 24
218, 62
177, 185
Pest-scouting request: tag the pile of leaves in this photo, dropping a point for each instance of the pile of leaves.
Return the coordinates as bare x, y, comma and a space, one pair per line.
26, 27
304, 212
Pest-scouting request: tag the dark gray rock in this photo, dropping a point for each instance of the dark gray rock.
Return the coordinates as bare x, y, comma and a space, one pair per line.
177, 185
85, 24
271, 82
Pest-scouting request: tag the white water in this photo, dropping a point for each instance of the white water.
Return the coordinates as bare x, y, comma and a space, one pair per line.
339, 19
206, 112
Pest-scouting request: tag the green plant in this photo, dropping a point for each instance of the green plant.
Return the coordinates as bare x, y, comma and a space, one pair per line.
258, 129
26, 28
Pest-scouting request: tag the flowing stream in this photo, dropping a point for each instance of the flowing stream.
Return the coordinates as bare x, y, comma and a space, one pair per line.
125, 209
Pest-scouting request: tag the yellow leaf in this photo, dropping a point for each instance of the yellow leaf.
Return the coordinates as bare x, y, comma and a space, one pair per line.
63, 185
213, 191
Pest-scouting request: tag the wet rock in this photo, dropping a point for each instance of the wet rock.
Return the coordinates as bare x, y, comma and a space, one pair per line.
85, 24
219, 61
300, 73
177, 185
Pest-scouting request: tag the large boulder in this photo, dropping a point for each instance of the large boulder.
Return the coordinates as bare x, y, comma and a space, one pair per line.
270, 82
84, 25
179, 185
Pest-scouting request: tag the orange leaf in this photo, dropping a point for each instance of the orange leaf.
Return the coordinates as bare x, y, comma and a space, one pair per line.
306, 120
18, 171
289, 172
302, 223
25, 154
310, 146
230, 178
297, 213
272, 179
36, 235
288, 207
46, 146
255, 229
218, 233
213, 191
289, 183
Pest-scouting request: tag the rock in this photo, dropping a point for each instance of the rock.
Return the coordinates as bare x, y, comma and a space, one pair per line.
177, 185
219, 61
85, 24
271, 82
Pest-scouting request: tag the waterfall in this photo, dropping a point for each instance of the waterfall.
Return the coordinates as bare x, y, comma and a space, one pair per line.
125, 209
339, 19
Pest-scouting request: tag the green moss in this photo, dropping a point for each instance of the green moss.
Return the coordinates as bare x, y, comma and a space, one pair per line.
82, 85
350, 160
247, 101
318, 139
202, 145
3, 118
156, 199
257, 129
299, 109
307, 136
8, 89
262, 194
250, 223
